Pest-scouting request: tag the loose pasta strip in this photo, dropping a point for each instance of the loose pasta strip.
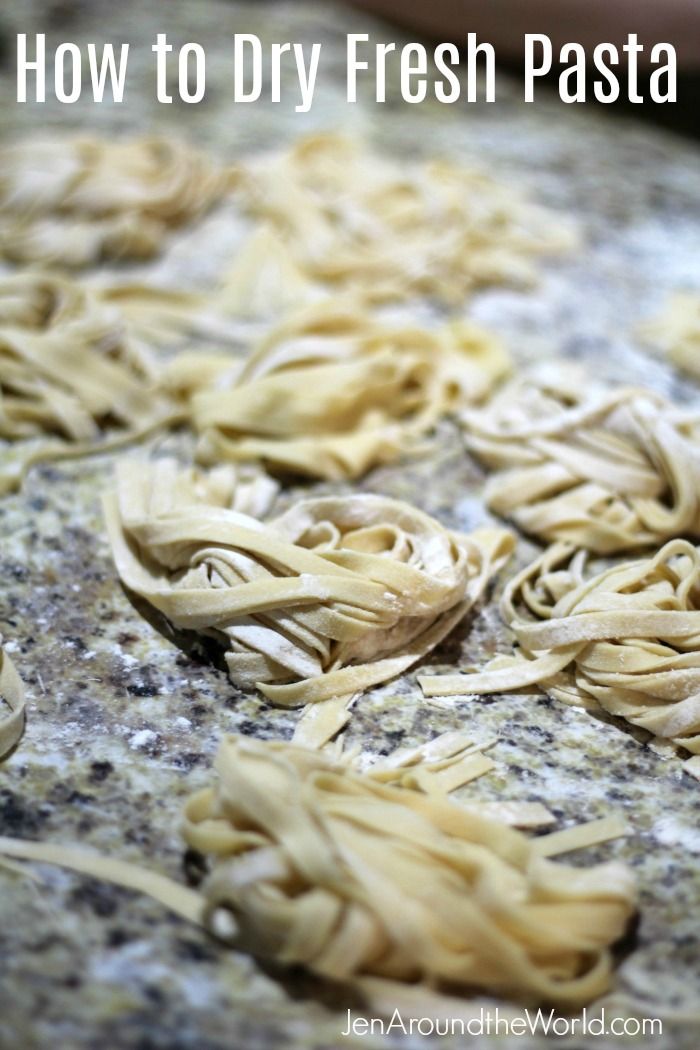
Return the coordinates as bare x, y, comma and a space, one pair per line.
443, 765
627, 639
350, 877
70, 371
676, 331
76, 201
608, 470
11, 697
334, 596
391, 230
331, 392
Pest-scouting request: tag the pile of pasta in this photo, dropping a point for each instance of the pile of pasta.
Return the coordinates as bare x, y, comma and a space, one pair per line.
77, 201
386, 888
331, 597
331, 391
12, 704
627, 639
324, 866
676, 331
606, 470
69, 370
395, 230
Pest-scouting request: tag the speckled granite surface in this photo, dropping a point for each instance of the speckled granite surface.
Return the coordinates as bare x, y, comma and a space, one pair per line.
122, 723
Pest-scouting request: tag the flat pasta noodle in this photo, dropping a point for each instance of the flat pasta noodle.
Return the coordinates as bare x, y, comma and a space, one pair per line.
70, 372
334, 596
322, 866
627, 639
11, 696
264, 281
676, 331
390, 231
692, 766
441, 766
607, 470
331, 392
73, 202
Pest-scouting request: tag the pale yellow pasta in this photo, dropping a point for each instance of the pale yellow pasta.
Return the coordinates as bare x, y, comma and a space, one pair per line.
334, 596
676, 331
304, 852
331, 392
605, 469
12, 704
313, 863
73, 202
261, 286
627, 639
69, 371
395, 229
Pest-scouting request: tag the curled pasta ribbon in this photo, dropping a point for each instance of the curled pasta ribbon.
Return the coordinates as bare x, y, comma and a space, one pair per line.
12, 693
322, 866
676, 331
394, 230
69, 369
627, 639
334, 596
330, 392
76, 201
607, 470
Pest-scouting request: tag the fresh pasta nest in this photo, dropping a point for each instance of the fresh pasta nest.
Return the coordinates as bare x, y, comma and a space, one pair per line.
330, 598
676, 331
66, 361
607, 470
331, 392
330, 868
76, 201
390, 231
627, 639
68, 368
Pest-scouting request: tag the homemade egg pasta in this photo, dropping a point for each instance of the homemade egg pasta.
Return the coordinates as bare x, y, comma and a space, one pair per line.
627, 639
262, 286
331, 392
334, 596
676, 331
312, 863
74, 202
608, 470
389, 230
69, 371
384, 887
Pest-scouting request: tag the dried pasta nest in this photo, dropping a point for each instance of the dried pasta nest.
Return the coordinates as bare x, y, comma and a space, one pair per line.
676, 331
12, 704
322, 866
331, 392
76, 201
627, 639
393, 230
608, 470
333, 596
68, 369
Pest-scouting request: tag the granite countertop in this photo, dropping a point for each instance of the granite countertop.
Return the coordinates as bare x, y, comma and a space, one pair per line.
123, 723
